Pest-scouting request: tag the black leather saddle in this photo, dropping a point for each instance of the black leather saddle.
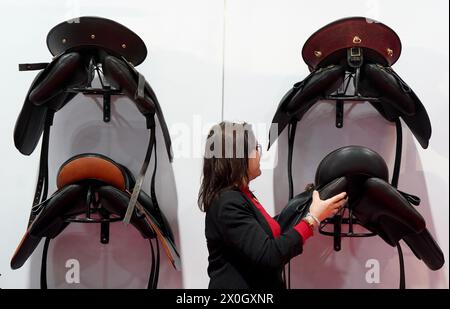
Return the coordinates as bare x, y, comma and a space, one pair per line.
93, 188
372, 202
82, 48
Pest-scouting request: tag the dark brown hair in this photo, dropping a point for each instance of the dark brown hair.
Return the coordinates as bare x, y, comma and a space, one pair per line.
225, 163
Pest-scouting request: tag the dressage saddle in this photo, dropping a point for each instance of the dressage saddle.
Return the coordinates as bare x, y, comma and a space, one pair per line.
94, 188
82, 48
373, 202
350, 61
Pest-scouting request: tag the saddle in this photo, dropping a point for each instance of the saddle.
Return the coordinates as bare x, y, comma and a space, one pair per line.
350, 61
82, 49
93, 188
374, 203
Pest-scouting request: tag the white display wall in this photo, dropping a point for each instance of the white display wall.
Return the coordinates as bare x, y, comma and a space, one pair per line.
222, 59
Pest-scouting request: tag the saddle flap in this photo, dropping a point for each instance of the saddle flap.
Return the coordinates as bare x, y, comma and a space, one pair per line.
298, 207
50, 221
149, 221
318, 84
118, 74
63, 72
303, 96
425, 248
47, 92
397, 99
388, 87
383, 210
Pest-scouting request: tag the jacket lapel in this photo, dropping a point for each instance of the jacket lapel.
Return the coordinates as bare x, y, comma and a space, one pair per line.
259, 217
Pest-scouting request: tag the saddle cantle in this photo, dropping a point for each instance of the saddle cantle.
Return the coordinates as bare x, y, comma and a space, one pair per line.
372, 201
94, 188
83, 47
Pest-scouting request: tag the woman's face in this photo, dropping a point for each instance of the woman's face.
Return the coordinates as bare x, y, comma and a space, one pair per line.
253, 163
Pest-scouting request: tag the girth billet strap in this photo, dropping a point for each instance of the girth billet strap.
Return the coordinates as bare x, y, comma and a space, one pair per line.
143, 170
44, 264
41, 190
394, 183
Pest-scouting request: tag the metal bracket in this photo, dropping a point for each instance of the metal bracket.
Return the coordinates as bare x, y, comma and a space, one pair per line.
339, 113
105, 91
337, 233
106, 104
104, 232
337, 221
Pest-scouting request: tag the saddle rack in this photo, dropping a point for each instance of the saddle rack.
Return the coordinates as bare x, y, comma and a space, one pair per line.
106, 91
93, 207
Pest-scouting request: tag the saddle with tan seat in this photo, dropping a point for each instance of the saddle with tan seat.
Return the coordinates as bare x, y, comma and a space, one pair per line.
92, 188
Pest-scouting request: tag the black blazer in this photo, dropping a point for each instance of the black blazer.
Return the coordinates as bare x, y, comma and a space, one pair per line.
242, 250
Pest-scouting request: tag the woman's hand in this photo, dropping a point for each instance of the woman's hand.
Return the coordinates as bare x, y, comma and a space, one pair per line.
323, 209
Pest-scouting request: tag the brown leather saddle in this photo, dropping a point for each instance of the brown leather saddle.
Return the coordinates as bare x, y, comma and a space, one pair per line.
92, 188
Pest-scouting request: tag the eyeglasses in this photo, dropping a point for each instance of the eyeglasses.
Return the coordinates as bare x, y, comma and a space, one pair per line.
259, 148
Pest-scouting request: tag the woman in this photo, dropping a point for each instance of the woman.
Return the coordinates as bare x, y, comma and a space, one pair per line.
245, 244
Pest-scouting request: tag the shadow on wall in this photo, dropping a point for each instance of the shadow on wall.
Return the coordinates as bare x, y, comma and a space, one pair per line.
320, 266
125, 262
